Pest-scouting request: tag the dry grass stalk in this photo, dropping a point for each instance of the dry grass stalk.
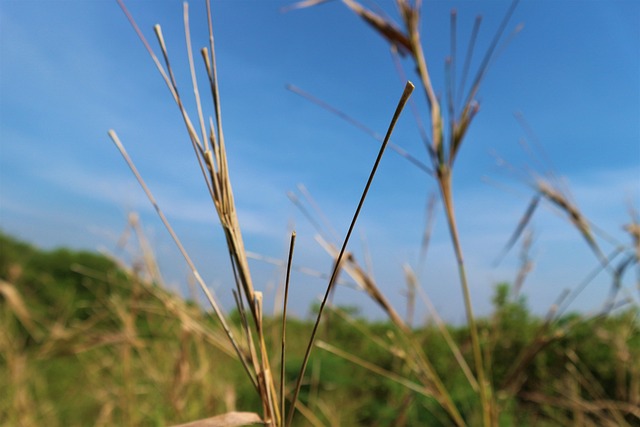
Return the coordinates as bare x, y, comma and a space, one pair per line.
298, 203
418, 388
387, 29
455, 349
309, 415
127, 312
365, 282
23, 405
19, 407
405, 96
302, 4
16, 304
418, 362
377, 340
284, 323
330, 412
397, 61
428, 229
544, 336
304, 270
412, 284
443, 161
591, 385
212, 301
575, 216
625, 362
596, 407
524, 221
314, 205
552, 189
526, 264
410, 351
359, 125
430, 384
547, 333
211, 156
147, 253
181, 374
190, 319
634, 230
608, 305
231, 419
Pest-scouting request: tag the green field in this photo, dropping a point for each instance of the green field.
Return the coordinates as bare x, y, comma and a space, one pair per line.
85, 343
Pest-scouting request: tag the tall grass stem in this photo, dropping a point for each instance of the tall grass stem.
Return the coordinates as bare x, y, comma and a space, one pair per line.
403, 100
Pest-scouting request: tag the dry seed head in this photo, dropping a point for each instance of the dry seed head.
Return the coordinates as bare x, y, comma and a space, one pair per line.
559, 200
634, 230
387, 29
576, 218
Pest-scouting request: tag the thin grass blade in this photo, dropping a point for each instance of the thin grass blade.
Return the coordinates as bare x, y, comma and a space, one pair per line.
403, 100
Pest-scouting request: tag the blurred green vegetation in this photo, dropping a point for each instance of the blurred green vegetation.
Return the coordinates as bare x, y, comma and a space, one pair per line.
84, 342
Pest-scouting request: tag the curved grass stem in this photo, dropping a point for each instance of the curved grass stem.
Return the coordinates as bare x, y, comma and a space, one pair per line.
334, 275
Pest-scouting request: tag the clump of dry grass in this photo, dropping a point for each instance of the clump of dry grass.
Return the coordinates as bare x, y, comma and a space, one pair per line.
209, 146
210, 149
548, 186
107, 367
443, 147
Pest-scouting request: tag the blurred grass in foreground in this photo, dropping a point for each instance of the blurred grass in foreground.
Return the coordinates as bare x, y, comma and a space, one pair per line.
85, 342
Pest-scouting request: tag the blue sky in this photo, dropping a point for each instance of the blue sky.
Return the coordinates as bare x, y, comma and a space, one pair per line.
71, 70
